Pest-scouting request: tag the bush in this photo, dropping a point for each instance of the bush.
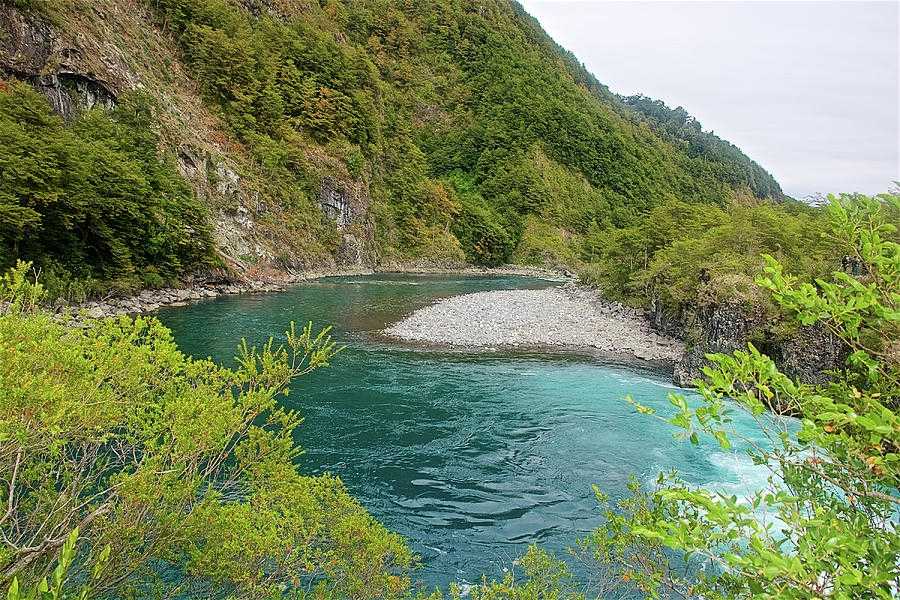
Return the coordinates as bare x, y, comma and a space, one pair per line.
544, 244
182, 468
90, 201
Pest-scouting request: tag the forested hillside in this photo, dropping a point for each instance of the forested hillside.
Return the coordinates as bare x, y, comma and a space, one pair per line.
144, 143
348, 132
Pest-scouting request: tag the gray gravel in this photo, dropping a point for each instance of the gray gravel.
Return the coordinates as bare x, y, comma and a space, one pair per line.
568, 316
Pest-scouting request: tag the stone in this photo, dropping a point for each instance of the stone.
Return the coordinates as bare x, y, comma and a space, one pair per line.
554, 317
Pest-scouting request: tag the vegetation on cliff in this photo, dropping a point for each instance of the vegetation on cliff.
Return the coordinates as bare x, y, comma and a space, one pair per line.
472, 133
91, 201
461, 115
683, 256
723, 158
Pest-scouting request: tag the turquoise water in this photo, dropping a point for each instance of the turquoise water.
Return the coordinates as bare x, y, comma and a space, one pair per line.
470, 456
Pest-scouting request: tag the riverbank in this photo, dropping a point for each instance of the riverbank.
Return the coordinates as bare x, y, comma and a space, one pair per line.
564, 317
152, 299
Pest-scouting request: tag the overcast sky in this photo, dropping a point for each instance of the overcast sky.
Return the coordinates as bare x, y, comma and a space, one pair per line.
807, 89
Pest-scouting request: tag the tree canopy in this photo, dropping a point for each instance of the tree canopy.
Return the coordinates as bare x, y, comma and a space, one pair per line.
92, 200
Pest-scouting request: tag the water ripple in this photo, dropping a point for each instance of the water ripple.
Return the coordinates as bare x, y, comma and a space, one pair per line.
471, 457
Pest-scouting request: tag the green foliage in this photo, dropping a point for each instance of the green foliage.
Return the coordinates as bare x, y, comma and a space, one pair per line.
825, 525
685, 255
447, 90
484, 233
178, 473
90, 202
543, 244
56, 589
543, 577
710, 154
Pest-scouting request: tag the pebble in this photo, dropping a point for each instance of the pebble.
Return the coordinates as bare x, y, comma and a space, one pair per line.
569, 316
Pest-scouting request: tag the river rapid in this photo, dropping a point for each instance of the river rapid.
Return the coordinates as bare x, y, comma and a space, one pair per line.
470, 455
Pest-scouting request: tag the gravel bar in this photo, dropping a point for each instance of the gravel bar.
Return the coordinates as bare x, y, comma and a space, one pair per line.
567, 316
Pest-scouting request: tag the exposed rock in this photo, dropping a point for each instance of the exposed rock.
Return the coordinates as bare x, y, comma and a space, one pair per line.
335, 203
351, 251
809, 353
723, 328
234, 224
32, 51
666, 320
346, 203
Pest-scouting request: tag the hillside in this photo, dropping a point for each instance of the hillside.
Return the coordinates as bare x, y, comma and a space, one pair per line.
285, 134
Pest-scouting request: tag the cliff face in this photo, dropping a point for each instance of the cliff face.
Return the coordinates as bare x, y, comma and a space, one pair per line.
807, 354
64, 69
92, 54
715, 329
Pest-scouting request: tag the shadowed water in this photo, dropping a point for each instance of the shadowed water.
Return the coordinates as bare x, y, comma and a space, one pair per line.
470, 456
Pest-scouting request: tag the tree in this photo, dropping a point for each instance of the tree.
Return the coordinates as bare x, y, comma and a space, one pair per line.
183, 468
91, 199
825, 525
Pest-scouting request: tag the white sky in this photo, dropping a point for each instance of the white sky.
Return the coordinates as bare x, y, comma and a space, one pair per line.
807, 89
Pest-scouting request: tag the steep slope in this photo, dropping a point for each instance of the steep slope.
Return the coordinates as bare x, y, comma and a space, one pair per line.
360, 132
727, 161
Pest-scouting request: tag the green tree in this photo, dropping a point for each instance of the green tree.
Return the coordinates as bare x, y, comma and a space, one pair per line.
825, 525
182, 468
91, 201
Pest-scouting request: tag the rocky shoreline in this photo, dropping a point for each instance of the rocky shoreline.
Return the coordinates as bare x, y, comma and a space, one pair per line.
150, 300
565, 317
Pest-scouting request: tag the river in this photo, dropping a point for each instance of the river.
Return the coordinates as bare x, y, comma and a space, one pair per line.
471, 456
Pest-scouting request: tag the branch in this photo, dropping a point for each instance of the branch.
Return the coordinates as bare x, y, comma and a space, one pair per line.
31, 554
12, 486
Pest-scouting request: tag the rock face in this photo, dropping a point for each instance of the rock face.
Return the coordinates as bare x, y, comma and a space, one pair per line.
665, 321
346, 203
723, 328
807, 354
334, 203
60, 69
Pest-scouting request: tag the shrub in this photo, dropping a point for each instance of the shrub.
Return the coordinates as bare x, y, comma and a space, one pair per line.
91, 201
182, 468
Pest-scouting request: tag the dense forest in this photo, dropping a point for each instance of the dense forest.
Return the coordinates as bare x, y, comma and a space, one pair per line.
473, 134
92, 200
